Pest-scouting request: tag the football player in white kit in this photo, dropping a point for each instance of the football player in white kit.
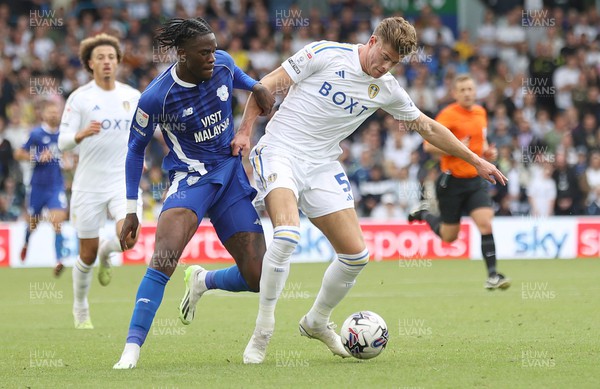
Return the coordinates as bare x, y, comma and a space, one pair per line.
333, 88
97, 118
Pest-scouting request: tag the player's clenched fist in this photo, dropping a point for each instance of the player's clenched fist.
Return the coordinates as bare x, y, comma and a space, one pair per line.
91, 130
490, 153
130, 226
240, 143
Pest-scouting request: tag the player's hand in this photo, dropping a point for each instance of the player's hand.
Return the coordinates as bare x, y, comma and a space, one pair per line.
91, 130
130, 226
46, 156
264, 99
240, 144
491, 153
490, 172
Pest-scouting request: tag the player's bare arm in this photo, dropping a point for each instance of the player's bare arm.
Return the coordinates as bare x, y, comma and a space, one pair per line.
273, 83
442, 138
431, 149
24, 155
70, 140
21, 155
264, 98
91, 130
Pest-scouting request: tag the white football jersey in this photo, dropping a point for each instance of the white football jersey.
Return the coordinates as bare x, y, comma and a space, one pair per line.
330, 98
101, 165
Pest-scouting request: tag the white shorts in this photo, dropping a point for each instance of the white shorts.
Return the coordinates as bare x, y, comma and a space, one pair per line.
89, 211
320, 188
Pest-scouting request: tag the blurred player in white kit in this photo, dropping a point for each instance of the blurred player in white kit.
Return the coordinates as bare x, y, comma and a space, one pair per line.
96, 119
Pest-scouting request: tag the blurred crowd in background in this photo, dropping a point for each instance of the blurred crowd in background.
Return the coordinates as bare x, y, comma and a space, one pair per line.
537, 74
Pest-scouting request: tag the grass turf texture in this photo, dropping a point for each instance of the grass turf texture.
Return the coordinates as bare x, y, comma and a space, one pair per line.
445, 330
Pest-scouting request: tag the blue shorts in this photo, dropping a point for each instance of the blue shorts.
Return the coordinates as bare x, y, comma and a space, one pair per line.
44, 196
224, 195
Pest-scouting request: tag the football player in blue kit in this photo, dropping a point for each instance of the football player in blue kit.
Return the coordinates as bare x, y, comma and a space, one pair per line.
47, 187
191, 102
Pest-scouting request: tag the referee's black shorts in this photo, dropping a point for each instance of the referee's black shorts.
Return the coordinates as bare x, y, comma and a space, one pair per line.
461, 196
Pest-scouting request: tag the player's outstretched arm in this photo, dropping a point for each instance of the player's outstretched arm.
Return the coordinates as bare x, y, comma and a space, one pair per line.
275, 82
264, 98
431, 149
442, 138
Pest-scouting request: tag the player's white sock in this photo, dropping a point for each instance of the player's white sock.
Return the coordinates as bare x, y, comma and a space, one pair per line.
275, 270
82, 279
109, 246
337, 282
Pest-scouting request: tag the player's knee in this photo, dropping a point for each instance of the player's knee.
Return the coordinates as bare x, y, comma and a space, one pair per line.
449, 237
285, 240
485, 229
88, 253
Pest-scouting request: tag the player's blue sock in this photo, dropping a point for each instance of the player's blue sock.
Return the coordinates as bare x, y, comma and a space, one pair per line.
148, 299
227, 279
58, 245
27, 234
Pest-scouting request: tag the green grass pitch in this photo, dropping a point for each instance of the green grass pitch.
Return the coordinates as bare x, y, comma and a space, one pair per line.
445, 330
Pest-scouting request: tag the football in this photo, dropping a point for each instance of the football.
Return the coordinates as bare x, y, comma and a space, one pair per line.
364, 334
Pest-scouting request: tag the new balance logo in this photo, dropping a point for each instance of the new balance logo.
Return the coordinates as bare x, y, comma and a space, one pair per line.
341, 73
187, 112
96, 108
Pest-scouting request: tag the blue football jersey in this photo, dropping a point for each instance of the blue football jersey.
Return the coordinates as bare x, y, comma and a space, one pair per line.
196, 120
48, 173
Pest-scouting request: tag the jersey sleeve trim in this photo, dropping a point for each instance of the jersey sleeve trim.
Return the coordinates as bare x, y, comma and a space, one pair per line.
328, 45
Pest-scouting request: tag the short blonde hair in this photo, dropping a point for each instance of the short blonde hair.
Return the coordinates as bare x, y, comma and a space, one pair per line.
398, 33
460, 78
89, 44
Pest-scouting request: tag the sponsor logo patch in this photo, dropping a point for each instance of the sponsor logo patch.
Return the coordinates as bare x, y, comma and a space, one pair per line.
294, 66
141, 117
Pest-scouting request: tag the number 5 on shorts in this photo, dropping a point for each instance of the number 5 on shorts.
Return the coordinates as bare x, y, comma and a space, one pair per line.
341, 179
